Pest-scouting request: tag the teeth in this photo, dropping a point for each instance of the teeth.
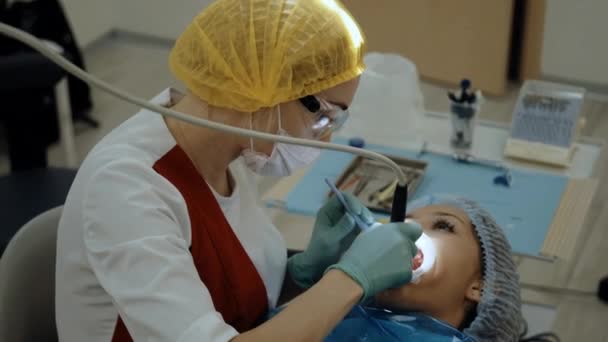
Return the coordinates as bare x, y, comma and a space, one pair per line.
425, 256
418, 259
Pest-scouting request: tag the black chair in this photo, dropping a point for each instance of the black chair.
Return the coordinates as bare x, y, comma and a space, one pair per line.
27, 80
30, 121
27, 83
39, 98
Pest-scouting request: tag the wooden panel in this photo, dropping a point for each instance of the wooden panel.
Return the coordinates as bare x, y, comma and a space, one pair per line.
532, 40
568, 220
446, 39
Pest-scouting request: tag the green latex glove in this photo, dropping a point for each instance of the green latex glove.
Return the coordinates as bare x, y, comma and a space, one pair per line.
381, 258
334, 231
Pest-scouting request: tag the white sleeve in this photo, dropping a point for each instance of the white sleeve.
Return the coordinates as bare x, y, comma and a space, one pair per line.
137, 234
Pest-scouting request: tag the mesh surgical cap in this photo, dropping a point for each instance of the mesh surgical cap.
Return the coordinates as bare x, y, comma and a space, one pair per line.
252, 54
499, 310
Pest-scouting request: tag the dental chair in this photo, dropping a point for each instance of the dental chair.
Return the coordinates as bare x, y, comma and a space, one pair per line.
27, 281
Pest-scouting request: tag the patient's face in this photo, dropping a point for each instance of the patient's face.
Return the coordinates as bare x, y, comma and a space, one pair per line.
454, 279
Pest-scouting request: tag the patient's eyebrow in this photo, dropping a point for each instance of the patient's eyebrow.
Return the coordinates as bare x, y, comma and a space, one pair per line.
445, 213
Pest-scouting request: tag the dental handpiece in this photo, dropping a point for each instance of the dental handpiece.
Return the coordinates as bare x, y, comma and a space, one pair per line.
397, 212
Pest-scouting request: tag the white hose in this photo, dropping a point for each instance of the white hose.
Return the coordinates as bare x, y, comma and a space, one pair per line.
93, 81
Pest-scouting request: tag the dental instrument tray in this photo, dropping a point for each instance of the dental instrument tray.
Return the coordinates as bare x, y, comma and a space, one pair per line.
374, 183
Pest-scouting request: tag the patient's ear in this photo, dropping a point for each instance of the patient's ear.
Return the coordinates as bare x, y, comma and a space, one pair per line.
473, 292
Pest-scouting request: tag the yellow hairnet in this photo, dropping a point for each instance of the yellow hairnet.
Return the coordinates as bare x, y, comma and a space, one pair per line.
251, 54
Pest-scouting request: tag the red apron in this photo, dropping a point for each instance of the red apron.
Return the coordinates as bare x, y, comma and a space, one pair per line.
237, 290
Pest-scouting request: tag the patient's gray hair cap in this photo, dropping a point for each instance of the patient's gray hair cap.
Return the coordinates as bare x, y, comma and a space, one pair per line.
499, 310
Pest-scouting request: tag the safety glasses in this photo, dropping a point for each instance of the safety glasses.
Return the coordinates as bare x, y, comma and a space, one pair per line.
328, 116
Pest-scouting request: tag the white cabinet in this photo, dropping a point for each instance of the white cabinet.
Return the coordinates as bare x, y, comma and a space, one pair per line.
575, 42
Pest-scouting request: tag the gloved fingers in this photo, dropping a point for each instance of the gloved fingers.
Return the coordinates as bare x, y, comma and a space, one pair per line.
344, 227
331, 212
333, 204
301, 271
381, 258
359, 208
410, 229
348, 240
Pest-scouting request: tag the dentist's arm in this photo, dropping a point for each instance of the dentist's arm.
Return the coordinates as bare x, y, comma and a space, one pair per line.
360, 274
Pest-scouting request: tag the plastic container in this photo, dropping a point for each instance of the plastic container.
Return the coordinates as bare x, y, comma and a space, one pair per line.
463, 125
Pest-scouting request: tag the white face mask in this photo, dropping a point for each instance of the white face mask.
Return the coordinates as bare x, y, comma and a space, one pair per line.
284, 159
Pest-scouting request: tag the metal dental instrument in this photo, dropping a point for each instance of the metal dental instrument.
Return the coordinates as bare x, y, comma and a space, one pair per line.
358, 221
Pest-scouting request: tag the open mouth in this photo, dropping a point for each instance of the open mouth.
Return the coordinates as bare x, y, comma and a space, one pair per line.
418, 259
425, 257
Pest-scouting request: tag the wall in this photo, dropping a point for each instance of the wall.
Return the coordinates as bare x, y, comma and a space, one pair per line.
90, 19
158, 18
574, 47
576, 41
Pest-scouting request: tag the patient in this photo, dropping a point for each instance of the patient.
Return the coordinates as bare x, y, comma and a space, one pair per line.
470, 294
